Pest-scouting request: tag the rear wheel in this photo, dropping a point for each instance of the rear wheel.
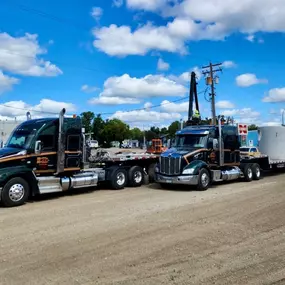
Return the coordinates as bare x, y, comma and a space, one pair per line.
136, 176
15, 192
248, 173
256, 171
118, 179
204, 180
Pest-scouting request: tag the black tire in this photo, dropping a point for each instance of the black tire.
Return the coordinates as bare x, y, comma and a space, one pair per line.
146, 179
256, 171
204, 180
248, 173
135, 176
151, 172
15, 192
118, 179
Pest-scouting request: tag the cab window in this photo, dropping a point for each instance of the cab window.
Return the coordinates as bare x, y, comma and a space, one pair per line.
48, 138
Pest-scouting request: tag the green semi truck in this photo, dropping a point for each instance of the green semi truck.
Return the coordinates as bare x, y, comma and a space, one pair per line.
49, 155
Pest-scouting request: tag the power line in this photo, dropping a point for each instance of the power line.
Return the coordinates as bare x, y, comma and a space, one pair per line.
55, 62
56, 113
49, 16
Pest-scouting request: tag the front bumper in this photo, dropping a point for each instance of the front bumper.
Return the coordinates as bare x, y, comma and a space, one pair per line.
185, 179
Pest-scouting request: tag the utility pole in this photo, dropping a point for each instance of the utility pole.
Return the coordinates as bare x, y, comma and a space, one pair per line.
211, 79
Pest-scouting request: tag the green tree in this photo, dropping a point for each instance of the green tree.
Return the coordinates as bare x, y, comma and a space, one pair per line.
98, 128
252, 127
87, 118
136, 134
149, 135
173, 128
164, 131
115, 130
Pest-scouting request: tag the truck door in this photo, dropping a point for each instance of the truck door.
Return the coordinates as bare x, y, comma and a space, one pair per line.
46, 160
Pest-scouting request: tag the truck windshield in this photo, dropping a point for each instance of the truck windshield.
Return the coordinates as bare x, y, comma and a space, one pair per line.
22, 136
190, 141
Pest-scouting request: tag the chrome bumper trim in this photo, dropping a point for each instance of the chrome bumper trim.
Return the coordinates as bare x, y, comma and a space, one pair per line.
185, 179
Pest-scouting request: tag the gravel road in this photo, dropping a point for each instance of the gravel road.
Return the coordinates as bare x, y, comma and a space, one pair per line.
231, 234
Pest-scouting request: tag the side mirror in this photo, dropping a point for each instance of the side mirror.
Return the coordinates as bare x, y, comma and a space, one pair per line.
38, 147
215, 144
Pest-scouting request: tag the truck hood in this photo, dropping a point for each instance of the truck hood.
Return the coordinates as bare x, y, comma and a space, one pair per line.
8, 151
173, 152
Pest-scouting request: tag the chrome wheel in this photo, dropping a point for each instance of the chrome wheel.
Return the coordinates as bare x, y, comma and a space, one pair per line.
121, 178
249, 173
138, 176
205, 179
16, 192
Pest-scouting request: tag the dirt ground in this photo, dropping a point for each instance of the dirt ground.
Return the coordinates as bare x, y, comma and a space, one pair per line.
231, 234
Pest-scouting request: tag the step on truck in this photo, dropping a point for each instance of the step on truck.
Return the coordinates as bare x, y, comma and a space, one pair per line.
203, 154
50, 155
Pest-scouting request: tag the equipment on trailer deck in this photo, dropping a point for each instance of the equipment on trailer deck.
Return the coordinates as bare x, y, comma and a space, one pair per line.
50, 155
156, 147
194, 117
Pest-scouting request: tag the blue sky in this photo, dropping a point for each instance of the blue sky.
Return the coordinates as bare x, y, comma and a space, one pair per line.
103, 56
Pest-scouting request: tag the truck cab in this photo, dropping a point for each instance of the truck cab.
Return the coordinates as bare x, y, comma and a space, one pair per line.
200, 155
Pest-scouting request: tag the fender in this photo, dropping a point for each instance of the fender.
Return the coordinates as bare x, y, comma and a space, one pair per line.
23, 171
196, 165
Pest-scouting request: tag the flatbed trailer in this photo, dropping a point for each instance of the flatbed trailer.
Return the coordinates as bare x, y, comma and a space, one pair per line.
50, 155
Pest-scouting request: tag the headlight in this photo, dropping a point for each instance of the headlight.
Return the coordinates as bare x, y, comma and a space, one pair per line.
188, 171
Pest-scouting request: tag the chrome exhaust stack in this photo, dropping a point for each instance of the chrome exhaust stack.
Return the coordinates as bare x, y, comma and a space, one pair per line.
61, 144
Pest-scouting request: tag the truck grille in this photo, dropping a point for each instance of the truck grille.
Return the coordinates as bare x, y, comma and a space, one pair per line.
170, 165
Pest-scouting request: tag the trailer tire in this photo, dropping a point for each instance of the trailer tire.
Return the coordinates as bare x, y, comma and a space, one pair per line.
248, 172
204, 180
15, 192
118, 179
135, 176
256, 171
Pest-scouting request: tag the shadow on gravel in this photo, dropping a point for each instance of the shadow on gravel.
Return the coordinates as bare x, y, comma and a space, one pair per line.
153, 186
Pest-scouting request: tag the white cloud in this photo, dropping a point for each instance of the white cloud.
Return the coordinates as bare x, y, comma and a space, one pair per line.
250, 38
146, 116
148, 106
214, 20
228, 64
241, 113
275, 95
102, 100
148, 5
19, 55
149, 86
121, 41
19, 109
7, 82
224, 104
162, 65
89, 89
118, 3
185, 76
168, 106
96, 12
249, 79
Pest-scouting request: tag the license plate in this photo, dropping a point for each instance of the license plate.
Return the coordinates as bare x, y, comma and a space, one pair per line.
168, 181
